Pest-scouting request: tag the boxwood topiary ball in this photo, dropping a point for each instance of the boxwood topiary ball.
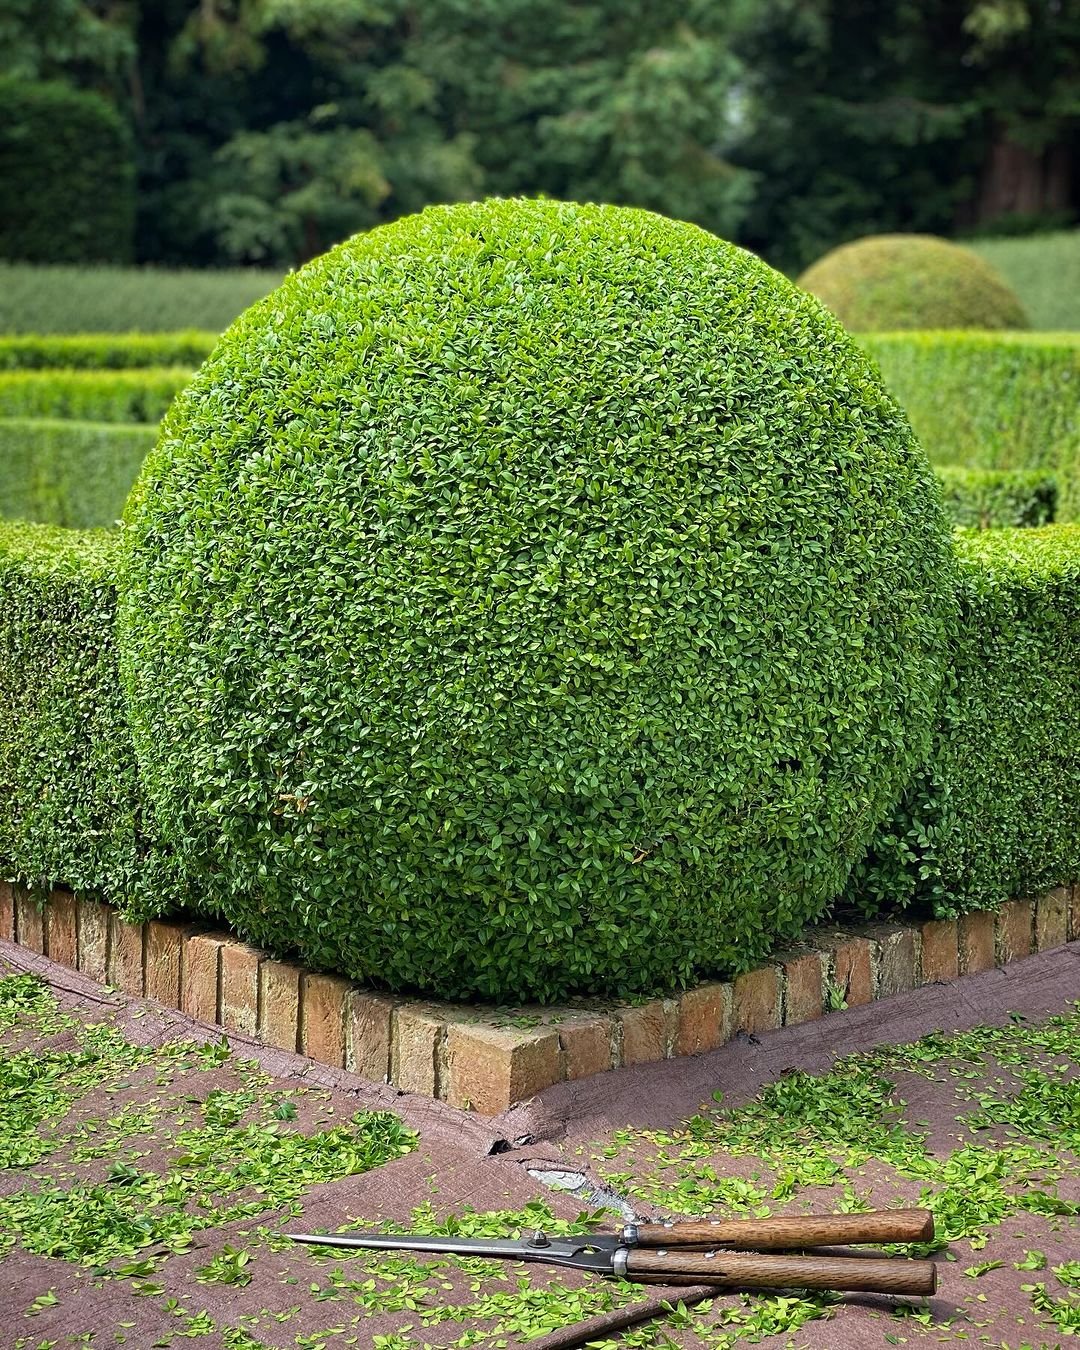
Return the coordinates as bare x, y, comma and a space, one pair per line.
891, 281
529, 598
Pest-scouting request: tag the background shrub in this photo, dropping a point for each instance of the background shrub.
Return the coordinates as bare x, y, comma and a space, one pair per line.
995, 811
105, 351
911, 281
997, 498
41, 299
990, 400
67, 166
90, 395
529, 598
60, 472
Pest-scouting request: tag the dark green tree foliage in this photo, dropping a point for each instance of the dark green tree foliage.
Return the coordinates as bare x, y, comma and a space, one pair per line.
529, 598
68, 174
866, 119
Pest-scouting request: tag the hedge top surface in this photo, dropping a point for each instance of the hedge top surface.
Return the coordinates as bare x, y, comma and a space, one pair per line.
530, 598
912, 281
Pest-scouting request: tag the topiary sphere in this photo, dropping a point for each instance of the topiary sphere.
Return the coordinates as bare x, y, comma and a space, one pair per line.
529, 598
891, 281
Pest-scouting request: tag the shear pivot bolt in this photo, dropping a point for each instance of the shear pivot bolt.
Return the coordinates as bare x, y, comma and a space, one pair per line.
539, 1239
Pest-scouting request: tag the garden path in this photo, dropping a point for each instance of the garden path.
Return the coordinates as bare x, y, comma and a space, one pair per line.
982, 1120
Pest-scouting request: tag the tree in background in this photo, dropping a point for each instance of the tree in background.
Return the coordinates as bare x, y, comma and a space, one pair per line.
266, 130
911, 116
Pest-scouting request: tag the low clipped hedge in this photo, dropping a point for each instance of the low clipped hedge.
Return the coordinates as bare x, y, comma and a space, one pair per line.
530, 598
995, 811
889, 281
78, 474
997, 498
991, 401
91, 395
992, 813
104, 351
71, 807
67, 165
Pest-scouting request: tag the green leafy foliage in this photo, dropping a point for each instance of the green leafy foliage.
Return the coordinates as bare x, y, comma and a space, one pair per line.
893, 281
997, 498
539, 598
70, 801
104, 351
66, 162
991, 401
78, 474
139, 301
90, 395
995, 811
1044, 271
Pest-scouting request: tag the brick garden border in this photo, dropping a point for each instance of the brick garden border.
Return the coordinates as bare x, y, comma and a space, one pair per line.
487, 1059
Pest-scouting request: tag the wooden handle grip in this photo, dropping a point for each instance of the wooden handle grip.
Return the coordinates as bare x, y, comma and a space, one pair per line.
749, 1270
781, 1232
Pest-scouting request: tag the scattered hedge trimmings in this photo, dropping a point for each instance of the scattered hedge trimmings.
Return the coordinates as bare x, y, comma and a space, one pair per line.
530, 598
91, 395
997, 498
991, 401
912, 281
996, 811
70, 803
58, 472
105, 351
68, 170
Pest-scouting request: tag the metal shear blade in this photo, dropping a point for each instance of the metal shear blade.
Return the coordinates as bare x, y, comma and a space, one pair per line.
585, 1251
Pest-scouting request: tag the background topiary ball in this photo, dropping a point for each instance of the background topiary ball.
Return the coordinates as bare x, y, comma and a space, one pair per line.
530, 598
891, 281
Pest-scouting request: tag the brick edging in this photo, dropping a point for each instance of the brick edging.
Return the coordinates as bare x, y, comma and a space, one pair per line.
487, 1059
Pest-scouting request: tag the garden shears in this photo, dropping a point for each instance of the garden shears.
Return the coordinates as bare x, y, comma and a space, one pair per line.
728, 1253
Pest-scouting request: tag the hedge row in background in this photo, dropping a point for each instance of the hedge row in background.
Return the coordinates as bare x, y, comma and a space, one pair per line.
68, 174
70, 801
997, 498
995, 812
125, 299
1044, 271
105, 351
992, 401
61, 472
90, 395
77, 474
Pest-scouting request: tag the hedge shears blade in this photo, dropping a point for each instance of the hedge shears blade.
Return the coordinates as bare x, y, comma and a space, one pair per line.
673, 1253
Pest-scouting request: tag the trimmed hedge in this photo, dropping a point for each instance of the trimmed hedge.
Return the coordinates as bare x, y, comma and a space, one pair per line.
77, 474
997, 498
530, 598
995, 812
912, 281
71, 808
991, 401
38, 299
90, 395
68, 170
105, 351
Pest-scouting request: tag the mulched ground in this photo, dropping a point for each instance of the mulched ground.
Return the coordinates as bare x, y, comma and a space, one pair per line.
988, 1126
